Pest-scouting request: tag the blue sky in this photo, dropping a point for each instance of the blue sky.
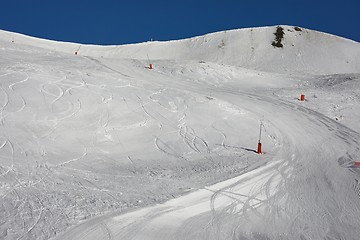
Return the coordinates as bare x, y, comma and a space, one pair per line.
119, 22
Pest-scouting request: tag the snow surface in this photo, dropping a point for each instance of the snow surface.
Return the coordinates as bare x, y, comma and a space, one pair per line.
87, 139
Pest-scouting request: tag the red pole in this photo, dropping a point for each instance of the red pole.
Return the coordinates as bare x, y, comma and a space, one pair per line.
259, 148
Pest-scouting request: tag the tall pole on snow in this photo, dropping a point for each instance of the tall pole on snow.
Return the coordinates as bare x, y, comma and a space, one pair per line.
150, 65
77, 51
259, 143
260, 131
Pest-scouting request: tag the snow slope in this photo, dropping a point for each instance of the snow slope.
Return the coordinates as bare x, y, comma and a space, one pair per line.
87, 138
304, 50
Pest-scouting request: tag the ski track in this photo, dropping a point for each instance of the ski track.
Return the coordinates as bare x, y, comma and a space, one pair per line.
107, 231
203, 143
169, 151
10, 168
11, 86
73, 114
73, 160
74, 85
6, 99
183, 132
33, 226
222, 144
97, 62
57, 98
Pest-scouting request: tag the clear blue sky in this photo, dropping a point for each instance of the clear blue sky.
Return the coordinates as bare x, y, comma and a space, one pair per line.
130, 21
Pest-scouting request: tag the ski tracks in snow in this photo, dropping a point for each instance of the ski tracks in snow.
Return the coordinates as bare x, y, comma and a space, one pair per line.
74, 159
188, 135
58, 96
192, 140
7, 101
11, 86
7, 142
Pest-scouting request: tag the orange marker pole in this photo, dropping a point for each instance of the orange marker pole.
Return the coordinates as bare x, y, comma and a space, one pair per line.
259, 148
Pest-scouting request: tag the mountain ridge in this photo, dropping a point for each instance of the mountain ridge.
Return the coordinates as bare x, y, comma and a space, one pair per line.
303, 50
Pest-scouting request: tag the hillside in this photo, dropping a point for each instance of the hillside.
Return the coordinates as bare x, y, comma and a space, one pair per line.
303, 50
94, 145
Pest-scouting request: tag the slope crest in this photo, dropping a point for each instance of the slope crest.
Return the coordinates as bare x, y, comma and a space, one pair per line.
300, 50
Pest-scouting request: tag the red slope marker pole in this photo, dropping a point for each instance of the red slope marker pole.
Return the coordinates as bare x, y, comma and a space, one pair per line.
259, 148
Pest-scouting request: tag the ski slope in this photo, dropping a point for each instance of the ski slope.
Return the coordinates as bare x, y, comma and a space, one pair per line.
98, 146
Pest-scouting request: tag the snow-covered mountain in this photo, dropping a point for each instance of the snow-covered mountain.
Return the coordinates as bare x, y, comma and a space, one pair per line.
88, 137
303, 50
